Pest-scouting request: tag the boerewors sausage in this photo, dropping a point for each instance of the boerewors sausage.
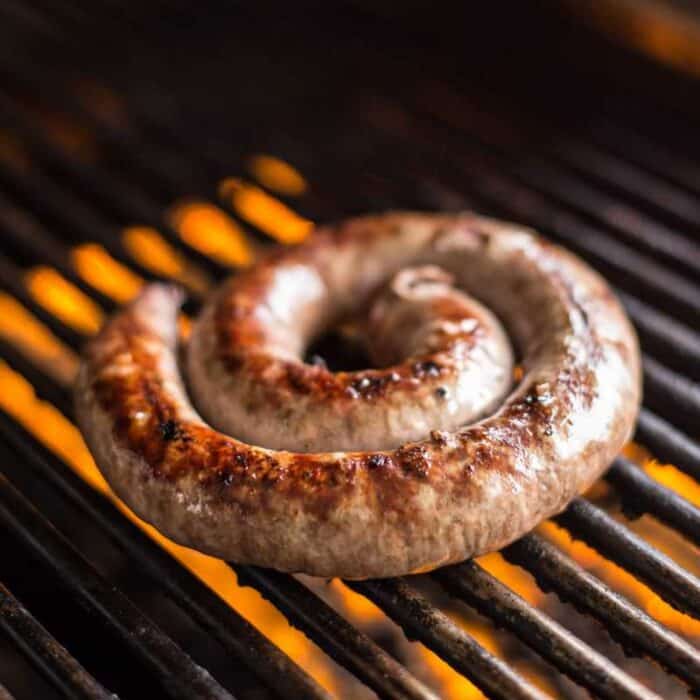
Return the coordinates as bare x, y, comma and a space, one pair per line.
424, 460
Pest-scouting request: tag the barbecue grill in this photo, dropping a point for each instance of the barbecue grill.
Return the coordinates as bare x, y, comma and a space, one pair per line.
176, 141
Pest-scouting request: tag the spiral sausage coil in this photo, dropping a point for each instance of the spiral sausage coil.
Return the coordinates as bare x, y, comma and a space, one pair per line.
435, 455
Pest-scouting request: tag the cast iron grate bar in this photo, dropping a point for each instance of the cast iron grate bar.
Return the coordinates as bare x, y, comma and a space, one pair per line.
619, 544
641, 494
347, 645
674, 167
177, 674
646, 188
557, 146
470, 583
124, 201
12, 279
668, 443
626, 623
423, 622
52, 659
663, 337
494, 186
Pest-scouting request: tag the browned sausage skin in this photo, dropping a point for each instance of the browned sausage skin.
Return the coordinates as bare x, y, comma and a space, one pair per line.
449, 360
370, 513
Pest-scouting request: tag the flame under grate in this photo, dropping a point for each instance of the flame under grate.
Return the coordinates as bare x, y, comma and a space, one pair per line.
176, 155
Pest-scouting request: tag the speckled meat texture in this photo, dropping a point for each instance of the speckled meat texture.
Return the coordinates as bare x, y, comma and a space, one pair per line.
452, 494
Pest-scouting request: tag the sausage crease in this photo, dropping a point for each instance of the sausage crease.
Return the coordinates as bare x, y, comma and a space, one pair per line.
430, 458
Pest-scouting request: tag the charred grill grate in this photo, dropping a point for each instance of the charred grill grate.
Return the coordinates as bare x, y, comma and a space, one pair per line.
89, 154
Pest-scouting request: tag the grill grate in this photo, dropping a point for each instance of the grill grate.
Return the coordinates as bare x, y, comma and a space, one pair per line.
98, 151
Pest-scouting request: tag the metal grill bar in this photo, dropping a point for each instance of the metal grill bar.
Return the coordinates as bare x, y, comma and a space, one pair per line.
641, 494
664, 337
674, 294
675, 167
178, 675
46, 653
646, 188
671, 394
66, 210
613, 540
334, 634
23, 233
632, 627
671, 445
421, 621
471, 584
124, 201
560, 146
274, 668
631, 224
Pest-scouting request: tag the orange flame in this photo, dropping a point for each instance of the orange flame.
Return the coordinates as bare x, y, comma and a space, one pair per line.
264, 211
63, 299
21, 328
210, 230
150, 249
99, 269
621, 580
278, 175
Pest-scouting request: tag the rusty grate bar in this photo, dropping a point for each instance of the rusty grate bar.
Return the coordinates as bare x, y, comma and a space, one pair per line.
52, 659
